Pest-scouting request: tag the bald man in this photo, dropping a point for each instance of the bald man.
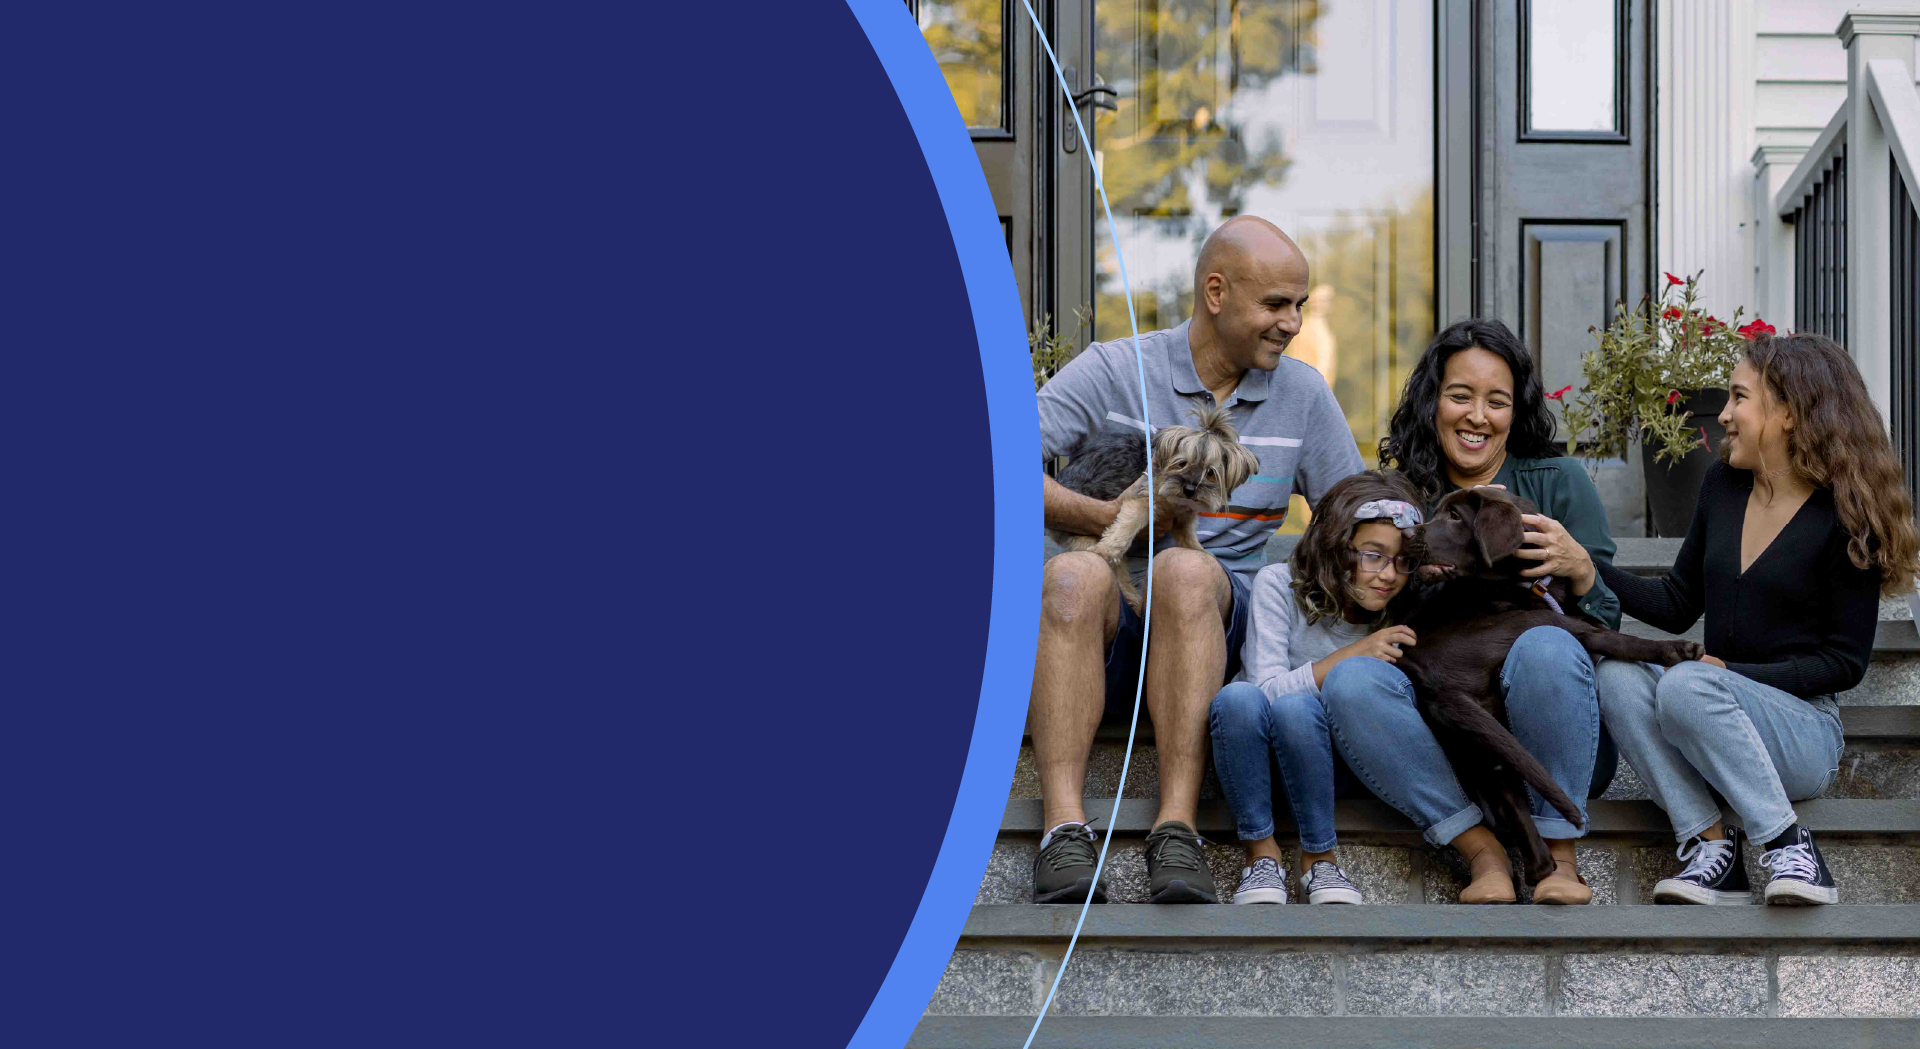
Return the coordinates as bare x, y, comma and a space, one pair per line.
1248, 287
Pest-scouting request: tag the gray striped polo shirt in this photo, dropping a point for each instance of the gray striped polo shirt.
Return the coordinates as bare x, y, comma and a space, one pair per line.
1286, 417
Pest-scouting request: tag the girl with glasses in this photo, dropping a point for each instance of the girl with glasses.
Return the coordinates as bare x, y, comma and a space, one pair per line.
1333, 601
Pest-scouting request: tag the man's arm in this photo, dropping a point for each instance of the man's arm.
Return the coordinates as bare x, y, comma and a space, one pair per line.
1068, 511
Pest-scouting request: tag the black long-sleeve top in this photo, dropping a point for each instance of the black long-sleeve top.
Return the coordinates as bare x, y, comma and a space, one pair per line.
1801, 618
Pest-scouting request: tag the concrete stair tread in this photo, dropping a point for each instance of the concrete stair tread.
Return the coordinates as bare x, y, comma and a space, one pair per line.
1398, 1032
1371, 817
1890, 636
1862, 724
1453, 923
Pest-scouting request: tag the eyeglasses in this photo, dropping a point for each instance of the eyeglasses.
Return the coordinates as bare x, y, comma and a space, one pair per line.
1374, 561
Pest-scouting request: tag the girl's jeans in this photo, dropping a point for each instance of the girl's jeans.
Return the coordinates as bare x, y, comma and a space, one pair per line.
1251, 736
1697, 726
1551, 708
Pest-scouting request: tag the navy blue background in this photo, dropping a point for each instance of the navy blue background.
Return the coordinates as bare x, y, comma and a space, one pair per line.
500, 525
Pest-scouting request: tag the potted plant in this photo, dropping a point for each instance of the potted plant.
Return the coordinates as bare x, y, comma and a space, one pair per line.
1658, 378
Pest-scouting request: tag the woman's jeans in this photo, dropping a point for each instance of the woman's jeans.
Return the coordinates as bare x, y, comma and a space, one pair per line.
1251, 736
1548, 683
1697, 726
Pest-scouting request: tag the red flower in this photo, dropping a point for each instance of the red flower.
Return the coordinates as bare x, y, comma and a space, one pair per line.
1674, 313
1756, 329
1711, 323
1672, 396
1559, 393
1672, 280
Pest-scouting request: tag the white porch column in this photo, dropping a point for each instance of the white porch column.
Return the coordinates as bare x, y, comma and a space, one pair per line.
1870, 35
1705, 99
1772, 238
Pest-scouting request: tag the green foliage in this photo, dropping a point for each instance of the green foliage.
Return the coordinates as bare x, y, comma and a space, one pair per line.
1050, 350
1648, 360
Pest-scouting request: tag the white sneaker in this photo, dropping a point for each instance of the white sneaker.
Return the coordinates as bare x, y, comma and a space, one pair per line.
1264, 882
1325, 882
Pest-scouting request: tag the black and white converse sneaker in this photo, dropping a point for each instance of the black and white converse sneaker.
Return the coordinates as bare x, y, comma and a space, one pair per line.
1325, 882
1800, 874
1716, 873
1264, 882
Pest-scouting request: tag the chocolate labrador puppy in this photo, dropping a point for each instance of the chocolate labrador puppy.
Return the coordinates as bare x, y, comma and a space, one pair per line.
1466, 622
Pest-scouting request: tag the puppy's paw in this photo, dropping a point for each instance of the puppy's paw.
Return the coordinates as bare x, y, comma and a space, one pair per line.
1683, 651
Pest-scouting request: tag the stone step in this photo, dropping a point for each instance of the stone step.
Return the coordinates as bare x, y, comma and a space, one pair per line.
1368, 817
1891, 637
1202, 961
1882, 760
1673, 1031
1298, 961
1863, 724
1867, 770
1461, 926
1873, 848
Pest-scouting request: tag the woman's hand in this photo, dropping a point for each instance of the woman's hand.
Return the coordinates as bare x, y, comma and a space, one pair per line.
1714, 661
1384, 644
1559, 553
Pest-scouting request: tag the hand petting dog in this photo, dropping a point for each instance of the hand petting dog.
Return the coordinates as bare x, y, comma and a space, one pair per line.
1559, 553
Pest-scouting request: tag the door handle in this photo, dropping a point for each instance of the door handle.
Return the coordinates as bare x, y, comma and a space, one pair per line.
1099, 96
1090, 97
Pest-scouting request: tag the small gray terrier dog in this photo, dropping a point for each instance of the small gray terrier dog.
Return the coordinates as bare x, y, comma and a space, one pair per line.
1195, 469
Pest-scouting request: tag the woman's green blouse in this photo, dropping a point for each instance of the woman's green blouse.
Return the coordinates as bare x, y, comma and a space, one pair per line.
1562, 490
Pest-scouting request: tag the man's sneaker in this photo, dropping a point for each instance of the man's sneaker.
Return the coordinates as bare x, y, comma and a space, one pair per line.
1800, 874
1716, 873
1264, 882
1063, 872
1325, 882
1177, 869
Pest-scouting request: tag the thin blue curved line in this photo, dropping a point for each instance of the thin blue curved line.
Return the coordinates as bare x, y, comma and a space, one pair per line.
1146, 616
1006, 670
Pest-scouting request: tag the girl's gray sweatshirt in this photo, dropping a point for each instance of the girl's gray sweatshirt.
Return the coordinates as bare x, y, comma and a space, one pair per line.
1281, 645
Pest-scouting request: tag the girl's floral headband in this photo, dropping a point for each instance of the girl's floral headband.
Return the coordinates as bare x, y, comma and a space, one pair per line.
1402, 514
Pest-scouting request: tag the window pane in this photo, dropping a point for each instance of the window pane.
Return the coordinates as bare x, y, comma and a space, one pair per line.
1316, 117
1570, 81
965, 37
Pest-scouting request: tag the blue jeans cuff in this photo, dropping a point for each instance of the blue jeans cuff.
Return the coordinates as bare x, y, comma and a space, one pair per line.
1688, 835
1557, 829
1761, 835
1455, 825
1244, 836
1318, 846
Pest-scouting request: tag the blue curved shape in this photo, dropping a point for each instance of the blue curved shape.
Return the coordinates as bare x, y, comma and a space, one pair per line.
1014, 423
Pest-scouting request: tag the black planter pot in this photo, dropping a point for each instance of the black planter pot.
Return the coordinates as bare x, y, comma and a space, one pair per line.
1673, 488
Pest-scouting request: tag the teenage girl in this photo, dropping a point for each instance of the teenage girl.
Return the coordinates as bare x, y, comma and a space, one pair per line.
1801, 527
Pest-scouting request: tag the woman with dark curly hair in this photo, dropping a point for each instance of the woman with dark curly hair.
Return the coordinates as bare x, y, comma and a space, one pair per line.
1801, 527
1334, 600
1473, 413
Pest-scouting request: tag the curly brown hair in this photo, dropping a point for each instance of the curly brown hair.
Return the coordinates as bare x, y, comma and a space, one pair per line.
1839, 443
1323, 561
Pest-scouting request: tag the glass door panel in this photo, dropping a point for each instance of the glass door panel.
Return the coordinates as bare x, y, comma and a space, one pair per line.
1316, 116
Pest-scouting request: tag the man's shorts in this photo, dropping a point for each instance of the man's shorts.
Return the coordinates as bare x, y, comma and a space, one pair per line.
1123, 655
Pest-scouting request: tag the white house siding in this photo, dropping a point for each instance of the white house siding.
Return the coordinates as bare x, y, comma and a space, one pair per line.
1734, 76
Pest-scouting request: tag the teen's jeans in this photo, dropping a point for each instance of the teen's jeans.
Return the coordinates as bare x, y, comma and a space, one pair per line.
1548, 684
1696, 726
1252, 735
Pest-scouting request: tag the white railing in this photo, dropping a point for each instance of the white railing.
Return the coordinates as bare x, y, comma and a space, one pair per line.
1825, 237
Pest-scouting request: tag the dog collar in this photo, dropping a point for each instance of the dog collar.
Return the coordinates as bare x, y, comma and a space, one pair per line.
1539, 589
